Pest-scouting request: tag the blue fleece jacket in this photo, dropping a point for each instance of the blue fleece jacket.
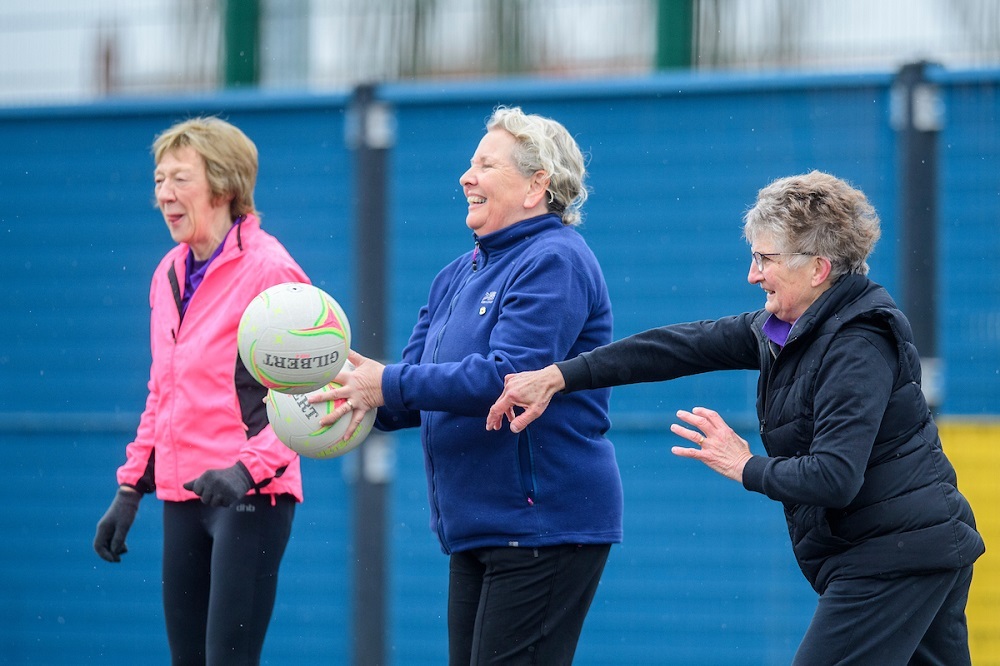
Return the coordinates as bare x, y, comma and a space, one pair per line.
529, 295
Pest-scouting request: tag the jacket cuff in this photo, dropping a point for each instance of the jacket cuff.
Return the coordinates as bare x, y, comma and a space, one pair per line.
576, 374
392, 390
753, 473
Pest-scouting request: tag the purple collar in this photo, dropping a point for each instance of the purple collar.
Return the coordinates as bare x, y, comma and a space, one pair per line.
776, 330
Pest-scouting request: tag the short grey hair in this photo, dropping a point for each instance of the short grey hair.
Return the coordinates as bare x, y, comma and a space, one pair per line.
819, 215
542, 144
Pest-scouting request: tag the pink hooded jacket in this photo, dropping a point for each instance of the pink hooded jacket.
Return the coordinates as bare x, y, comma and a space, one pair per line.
204, 410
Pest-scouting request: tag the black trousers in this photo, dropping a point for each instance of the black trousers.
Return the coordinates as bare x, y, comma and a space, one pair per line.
889, 621
516, 606
220, 577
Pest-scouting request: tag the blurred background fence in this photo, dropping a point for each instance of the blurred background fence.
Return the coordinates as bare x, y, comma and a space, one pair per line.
70, 50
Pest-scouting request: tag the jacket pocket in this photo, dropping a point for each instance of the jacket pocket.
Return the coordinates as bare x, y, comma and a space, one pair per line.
526, 467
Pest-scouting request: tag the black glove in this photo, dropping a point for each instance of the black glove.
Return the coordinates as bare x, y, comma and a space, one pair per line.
222, 487
114, 525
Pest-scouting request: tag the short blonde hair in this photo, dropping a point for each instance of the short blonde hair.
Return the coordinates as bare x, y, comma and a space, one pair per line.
819, 215
545, 145
230, 158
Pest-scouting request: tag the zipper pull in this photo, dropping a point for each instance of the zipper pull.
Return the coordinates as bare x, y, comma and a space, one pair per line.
475, 258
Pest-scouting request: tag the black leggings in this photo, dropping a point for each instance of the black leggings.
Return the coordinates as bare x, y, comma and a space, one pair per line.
220, 576
521, 605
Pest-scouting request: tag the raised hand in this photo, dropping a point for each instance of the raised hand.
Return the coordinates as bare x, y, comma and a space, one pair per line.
719, 446
532, 391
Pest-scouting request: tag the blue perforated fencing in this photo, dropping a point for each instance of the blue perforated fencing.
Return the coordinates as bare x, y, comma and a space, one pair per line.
705, 574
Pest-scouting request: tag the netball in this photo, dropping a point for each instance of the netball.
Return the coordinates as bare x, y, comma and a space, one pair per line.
294, 338
296, 423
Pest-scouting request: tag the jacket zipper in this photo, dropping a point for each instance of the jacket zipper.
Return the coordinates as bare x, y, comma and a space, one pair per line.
454, 299
434, 358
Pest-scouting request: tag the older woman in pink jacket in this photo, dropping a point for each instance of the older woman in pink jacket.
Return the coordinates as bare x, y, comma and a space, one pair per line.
229, 486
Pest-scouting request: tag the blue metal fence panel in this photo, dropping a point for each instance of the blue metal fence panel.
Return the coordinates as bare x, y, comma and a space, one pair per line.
969, 236
704, 575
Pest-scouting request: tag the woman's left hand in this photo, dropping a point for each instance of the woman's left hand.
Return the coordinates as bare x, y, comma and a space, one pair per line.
360, 390
719, 446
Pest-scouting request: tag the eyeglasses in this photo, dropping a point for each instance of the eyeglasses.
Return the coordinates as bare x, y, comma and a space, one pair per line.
758, 257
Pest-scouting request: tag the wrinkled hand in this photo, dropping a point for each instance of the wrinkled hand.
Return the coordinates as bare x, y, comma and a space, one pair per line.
719, 447
222, 487
532, 390
114, 525
360, 391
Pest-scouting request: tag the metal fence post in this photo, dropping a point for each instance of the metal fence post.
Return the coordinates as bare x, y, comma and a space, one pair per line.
675, 21
370, 133
917, 117
241, 37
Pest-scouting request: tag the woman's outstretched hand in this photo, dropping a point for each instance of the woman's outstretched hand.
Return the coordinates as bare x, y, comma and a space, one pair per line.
531, 391
718, 445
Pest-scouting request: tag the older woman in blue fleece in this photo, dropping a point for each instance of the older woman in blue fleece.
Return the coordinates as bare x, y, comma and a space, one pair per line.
527, 518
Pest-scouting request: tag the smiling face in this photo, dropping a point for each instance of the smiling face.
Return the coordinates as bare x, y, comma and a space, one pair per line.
791, 285
192, 214
497, 193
